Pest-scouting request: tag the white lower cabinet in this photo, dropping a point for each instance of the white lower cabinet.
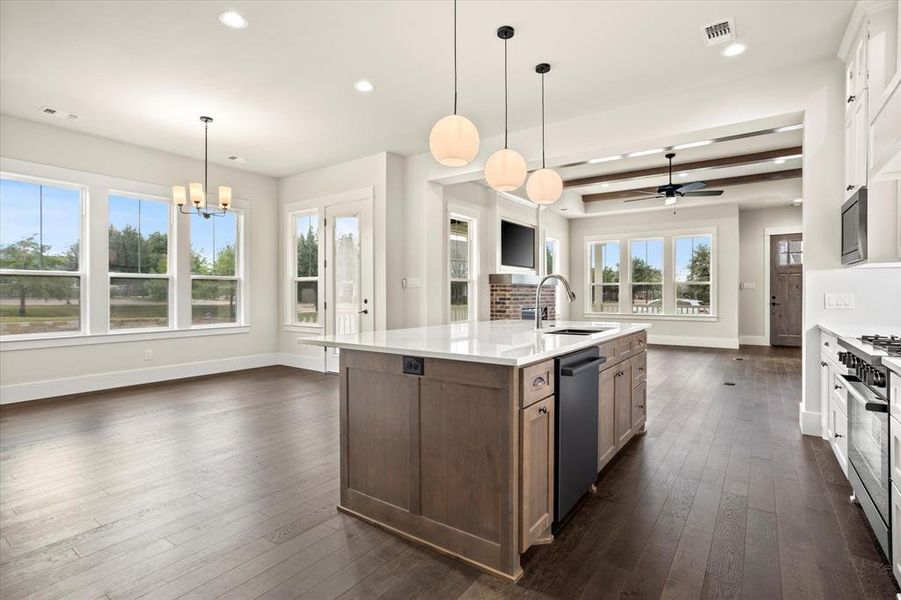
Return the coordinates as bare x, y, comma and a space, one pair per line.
838, 424
896, 532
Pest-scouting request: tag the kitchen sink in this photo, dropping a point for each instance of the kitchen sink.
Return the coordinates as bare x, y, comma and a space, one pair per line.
576, 331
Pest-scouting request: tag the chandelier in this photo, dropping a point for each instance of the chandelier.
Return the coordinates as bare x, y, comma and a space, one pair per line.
198, 191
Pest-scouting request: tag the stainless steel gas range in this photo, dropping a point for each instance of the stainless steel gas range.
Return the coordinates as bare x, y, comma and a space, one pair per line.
868, 427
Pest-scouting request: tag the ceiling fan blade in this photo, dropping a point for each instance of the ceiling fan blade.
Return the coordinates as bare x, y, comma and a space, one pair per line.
690, 187
644, 198
704, 193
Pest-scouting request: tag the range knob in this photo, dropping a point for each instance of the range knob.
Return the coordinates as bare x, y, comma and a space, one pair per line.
878, 378
842, 357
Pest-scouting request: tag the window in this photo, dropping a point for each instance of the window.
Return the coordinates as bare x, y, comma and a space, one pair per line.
41, 271
462, 278
790, 252
646, 276
551, 256
215, 269
603, 264
306, 269
693, 261
138, 263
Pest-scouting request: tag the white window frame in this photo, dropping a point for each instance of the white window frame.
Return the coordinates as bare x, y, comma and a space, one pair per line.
669, 287
674, 283
291, 269
588, 285
170, 264
633, 283
81, 273
241, 310
472, 307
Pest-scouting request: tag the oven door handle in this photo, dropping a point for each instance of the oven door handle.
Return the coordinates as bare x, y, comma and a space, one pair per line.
853, 382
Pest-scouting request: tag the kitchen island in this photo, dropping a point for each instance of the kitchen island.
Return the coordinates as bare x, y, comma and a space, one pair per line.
447, 432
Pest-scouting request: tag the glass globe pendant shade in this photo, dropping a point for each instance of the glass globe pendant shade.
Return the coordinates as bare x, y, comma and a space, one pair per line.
454, 141
544, 186
505, 170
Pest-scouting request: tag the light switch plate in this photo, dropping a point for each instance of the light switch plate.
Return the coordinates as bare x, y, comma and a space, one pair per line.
748, 285
840, 301
411, 282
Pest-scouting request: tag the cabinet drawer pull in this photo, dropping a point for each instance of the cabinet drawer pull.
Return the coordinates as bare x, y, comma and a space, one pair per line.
639, 406
539, 381
543, 410
826, 344
641, 368
822, 363
849, 188
851, 98
838, 435
838, 387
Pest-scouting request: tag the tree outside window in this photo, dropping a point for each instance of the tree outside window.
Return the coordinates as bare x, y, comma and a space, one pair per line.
647, 276
692, 281
214, 268
40, 239
603, 260
306, 274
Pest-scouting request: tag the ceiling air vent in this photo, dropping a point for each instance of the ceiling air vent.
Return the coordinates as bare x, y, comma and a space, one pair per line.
718, 32
59, 114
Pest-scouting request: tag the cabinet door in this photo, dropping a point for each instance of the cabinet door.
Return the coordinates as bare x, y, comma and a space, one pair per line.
606, 416
896, 532
850, 156
825, 387
861, 141
639, 411
622, 399
537, 427
839, 437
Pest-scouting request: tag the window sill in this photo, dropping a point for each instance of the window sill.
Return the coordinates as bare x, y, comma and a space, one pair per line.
120, 336
315, 329
640, 317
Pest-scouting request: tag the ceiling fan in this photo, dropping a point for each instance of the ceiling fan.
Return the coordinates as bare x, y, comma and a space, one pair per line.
671, 190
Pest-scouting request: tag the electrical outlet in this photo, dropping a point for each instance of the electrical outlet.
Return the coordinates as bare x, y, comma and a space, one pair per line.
148, 354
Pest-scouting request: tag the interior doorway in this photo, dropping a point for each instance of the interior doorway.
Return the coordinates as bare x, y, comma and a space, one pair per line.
785, 290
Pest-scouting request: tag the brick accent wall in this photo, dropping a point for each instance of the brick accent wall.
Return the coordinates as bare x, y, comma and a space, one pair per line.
508, 300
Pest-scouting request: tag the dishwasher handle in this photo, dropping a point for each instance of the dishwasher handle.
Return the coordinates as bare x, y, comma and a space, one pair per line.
582, 367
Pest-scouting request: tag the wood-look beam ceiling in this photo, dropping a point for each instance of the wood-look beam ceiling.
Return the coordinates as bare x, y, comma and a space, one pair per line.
663, 168
711, 184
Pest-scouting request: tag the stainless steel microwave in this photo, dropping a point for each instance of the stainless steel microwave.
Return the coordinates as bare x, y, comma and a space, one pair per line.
854, 228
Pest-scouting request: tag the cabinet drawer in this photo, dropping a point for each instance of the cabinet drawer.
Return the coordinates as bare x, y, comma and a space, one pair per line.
894, 384
838, 393
894, 433
639, 341
829, 346
639, 367
537, 382
622, 347
608, 351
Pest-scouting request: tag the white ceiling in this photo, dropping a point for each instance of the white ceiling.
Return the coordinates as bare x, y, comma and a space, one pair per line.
282, 92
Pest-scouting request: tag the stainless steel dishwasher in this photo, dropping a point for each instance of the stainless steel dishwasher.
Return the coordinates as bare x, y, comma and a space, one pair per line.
576, 428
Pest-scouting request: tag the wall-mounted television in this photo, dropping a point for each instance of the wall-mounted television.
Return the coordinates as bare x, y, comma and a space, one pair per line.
517, 245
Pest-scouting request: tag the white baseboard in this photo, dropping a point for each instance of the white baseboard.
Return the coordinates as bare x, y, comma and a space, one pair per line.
753, 340
300, 361
699, 342
811, 422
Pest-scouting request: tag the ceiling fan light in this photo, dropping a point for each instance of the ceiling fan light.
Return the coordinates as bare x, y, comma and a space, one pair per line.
454, 141
505, 170
544, 186
670, 200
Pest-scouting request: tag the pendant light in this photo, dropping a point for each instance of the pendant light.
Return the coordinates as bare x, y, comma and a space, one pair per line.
545, 185
454, 140
198, 191
506, 169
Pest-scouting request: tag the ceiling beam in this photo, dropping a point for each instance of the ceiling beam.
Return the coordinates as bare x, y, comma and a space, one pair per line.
724, 161
713, 183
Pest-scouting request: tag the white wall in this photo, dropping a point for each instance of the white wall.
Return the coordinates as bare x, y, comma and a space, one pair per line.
109, 364
721, 332
752, 303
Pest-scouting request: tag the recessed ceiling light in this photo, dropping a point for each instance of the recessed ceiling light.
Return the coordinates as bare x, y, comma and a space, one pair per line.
645, 152
232, 19
692, 145
595, 161
734, 49
778, 161
797, 200
605, 184
790, 128
683, 174
791, 156
364, 86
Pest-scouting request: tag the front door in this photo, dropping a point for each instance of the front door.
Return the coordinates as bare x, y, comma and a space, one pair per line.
786, 260
348, 269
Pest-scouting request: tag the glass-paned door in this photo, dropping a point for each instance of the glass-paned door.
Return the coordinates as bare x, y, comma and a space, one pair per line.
348, 272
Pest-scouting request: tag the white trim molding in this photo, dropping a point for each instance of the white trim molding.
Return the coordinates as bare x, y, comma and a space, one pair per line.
696, 342
753, 340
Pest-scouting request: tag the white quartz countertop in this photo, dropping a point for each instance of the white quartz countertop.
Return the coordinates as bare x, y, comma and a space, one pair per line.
846, 330
514, 343
893, 363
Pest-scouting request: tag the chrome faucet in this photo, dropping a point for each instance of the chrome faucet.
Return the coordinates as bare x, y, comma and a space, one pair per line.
569, 292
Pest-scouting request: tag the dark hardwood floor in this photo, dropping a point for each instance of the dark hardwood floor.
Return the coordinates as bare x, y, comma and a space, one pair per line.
226, 487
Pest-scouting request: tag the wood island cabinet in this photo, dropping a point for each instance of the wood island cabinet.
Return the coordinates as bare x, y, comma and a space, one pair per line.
606, 417
537, 424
